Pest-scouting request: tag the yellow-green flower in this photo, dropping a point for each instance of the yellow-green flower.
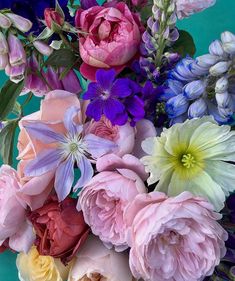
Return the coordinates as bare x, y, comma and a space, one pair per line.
193, 156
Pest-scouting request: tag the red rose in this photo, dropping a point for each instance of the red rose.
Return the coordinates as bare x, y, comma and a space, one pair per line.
51, 15
60, 228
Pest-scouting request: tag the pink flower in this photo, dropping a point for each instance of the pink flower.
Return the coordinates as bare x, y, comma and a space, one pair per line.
186, 8
13, 223
36, 189
104, 199
173, 238
111, 38
95, 262
139, 3
123, 136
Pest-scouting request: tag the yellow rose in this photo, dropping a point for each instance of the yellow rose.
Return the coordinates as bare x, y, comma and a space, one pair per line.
33, 267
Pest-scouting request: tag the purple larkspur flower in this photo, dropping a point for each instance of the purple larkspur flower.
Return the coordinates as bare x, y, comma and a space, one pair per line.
69, 148
106, 97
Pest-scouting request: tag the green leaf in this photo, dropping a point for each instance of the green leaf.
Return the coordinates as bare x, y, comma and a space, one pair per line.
8, 95
146, 12
46, 33
185, 44
7, 141
61, 58
58, 9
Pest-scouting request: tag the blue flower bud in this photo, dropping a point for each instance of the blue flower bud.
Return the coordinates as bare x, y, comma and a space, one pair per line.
223, 100
175, 86
216, 48
227, 37
197, 109
220, 68
225, 112
221, 85
177, 106
194, 89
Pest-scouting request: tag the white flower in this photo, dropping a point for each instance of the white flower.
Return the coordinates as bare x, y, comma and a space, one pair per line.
193, 156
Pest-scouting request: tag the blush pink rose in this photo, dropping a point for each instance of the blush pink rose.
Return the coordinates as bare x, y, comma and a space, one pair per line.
106, 196
173, 238
111, 38
35, 190
185, 8
123, 136
13, 224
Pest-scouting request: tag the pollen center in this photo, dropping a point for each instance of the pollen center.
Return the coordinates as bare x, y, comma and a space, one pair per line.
188, 160
73, 147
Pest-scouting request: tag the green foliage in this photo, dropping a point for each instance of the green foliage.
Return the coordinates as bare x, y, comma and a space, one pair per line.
61, 58
185, 44
7, 141
8, 95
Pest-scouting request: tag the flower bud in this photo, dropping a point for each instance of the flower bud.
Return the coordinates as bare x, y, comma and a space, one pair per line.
197, 109
220, 68
207, 60
43, 48
221, 85
216, 48
229, 48
4, 21
225, 112
3, 44
3, 61
177, 106
16, 73
71, 83
194, 89
223, 100
51, 16
19, 22
227, 37
17, 54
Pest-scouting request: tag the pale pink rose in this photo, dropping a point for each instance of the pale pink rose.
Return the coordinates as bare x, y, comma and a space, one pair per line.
185, 8
95, 262
111, 38
123, 136
35, 190
13, 223
106, 196
173, 238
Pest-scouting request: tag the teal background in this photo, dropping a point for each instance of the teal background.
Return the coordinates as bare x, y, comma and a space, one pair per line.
204, 27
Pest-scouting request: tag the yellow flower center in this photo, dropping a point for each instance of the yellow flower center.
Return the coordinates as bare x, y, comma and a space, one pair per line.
188, 160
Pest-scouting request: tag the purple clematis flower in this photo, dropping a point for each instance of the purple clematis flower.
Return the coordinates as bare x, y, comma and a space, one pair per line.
68, 149
106, 97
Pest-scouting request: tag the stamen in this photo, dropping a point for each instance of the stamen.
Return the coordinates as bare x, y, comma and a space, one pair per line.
188, 161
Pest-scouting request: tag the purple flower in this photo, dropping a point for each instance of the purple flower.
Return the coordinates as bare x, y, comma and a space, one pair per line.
72, 147
107, 96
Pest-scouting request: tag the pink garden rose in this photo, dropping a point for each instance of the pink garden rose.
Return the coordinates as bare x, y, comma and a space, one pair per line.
111, 38
173, 238
123, 136
13, 223
185, 8
104, 199
95, 262
36, 189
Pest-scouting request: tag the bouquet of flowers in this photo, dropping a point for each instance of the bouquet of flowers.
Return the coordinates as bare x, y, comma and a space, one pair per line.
126, 166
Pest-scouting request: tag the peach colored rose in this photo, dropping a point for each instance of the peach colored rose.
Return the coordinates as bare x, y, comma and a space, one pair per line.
123, 136
35, 190
111, 37
104, 199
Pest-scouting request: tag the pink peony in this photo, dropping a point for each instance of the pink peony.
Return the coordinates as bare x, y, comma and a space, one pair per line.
111, 38
173, 238
13, 223
105, 198
36, 189
185, 8
123, 136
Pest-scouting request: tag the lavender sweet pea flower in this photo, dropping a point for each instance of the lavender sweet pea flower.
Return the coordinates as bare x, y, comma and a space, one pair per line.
106, 95
70, 148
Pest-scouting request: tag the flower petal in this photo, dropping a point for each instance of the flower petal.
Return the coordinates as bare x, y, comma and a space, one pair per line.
64, 178
86, 172
105, 78
92, 92
43, 132
97, 146
69, 123
121, 88
95, 109
46, 161
114, 110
